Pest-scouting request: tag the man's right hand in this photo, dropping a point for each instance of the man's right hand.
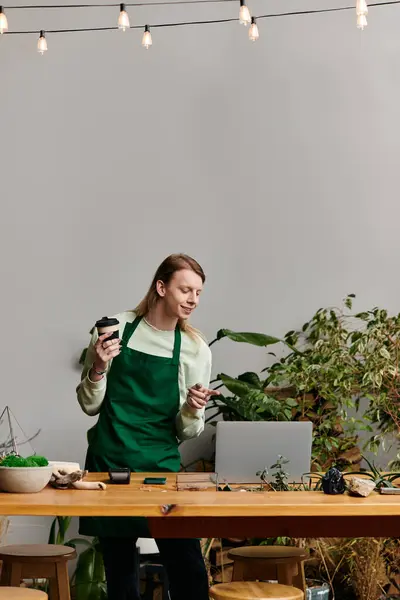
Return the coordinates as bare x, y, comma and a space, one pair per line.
105, 350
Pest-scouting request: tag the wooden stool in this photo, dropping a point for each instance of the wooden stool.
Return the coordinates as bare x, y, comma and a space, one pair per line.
13, 593
282, 563
37, 561
246, 590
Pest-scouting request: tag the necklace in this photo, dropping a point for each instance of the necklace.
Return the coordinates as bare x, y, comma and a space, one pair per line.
155, 328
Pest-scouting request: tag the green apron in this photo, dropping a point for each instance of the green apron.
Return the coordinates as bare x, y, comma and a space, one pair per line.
136, 426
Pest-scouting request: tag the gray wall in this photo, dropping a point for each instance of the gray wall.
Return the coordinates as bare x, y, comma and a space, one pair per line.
274, 163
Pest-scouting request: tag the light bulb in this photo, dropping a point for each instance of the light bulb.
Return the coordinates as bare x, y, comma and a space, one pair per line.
42, 43
146, 39
253, 31
244, 14
361, 7
361, 22
3, 21
123, 19
361, 11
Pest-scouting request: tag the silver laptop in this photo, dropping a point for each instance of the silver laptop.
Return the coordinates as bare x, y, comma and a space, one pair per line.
245, 447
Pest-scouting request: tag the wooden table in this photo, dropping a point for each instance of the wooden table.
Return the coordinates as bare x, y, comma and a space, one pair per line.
219, 514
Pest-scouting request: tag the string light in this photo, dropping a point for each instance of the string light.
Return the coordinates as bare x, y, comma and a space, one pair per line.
146, 40
42, 43
3, 21
361, 11
244, 14
253, 31
123, 19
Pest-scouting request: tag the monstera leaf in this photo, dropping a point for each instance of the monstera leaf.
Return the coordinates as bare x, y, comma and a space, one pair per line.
249, 401
252, 379
256, 339
235, 386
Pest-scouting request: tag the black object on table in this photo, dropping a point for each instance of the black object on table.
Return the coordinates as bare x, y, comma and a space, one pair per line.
333, 482
122, 476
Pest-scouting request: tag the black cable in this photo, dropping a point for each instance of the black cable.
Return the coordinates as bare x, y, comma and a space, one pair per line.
83, 29
167, 3
174, 2
194, 23
327, 10
210, 22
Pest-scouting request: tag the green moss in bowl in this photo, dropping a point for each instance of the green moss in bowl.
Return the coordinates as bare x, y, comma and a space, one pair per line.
18, 461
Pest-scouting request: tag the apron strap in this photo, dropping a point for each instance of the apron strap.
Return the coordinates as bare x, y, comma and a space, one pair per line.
177, 346
130, 329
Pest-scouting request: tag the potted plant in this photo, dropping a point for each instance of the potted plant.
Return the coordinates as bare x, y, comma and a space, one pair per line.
336, 359
312, 381
24, 475
375, 346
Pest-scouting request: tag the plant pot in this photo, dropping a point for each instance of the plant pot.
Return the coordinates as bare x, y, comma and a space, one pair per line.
24, 480
317, 590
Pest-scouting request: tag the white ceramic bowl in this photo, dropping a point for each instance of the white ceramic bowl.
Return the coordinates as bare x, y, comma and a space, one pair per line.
24, 480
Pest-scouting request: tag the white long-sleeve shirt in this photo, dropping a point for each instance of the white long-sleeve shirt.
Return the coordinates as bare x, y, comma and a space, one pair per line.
194, 367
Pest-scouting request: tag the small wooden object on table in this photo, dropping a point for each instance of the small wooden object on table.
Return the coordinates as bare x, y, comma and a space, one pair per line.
13, 593
37, 561
195, 481
284, 564
247, 590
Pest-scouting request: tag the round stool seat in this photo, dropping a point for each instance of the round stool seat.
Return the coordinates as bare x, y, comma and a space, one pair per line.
15, 593
246, 590
284, 564
273, 553
36, 552
37, 561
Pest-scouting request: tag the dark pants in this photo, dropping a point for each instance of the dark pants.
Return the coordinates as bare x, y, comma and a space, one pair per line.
181, 558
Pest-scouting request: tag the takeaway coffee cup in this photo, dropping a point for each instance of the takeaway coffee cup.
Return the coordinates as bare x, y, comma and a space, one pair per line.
108, 325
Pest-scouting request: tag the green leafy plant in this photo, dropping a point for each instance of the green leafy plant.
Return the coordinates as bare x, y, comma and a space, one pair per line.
323, 378
375, 346
249, 400
88, 581
281, 477
377, 476
281, 482
330, 364
58, 531
13, 460
347, 357
306, 384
